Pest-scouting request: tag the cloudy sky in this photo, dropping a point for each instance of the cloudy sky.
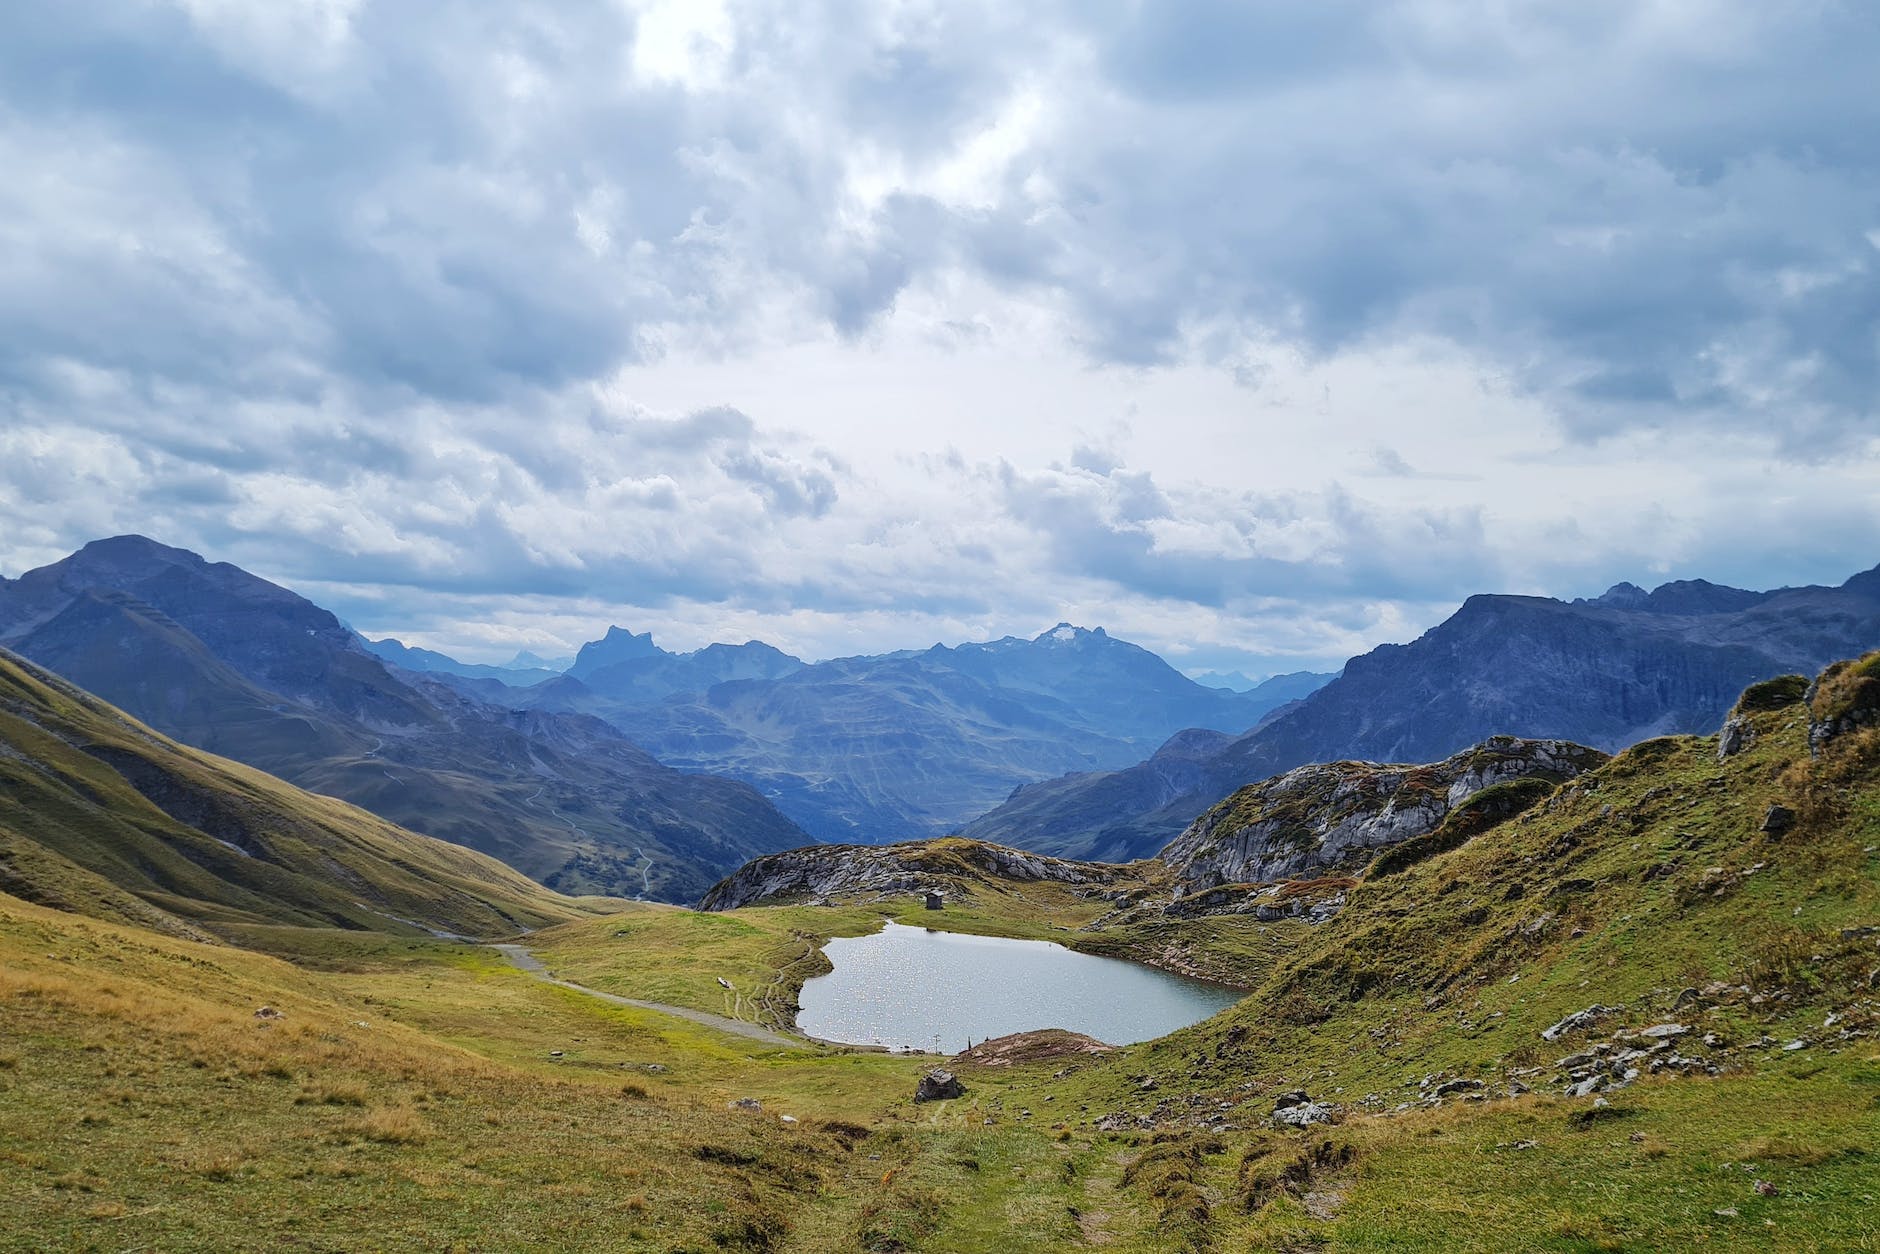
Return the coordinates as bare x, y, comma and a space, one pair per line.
1257, 332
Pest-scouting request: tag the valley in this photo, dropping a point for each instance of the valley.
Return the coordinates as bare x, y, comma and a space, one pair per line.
1632, 1011
707, 627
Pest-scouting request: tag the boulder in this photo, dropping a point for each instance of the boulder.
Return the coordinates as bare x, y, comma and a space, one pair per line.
1579, 1020
1737, 735
1778, 819
938, 1085
1304, 1114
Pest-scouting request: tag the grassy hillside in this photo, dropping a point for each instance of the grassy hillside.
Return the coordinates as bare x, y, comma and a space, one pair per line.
101, 815
407, 1097
1655, 889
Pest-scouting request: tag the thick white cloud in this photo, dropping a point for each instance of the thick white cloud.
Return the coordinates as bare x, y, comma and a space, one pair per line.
1260, 332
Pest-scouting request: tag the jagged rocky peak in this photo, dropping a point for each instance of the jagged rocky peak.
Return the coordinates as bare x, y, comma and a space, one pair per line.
1622, 596
1333, 816
618, 645
1068, 633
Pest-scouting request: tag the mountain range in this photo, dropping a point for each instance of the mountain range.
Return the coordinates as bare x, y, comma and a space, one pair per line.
1606, 672
608, 777
904, 744
228, 662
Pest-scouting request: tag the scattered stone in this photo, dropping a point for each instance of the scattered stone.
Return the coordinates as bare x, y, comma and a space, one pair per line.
1587, 1087
1686, 998
1765, 1189
554, 1053
1792, 1046
787, 1120
747, 1103
1525, 1145
1579, 1020
1725, 1212
938, 1085
1304, 1114
269, 1012
1459, 1086
1737, 735
1146, 1084
1123, 1121
1778, 819
1664, 1031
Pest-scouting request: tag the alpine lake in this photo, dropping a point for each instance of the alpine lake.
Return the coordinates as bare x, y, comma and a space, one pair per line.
912, 988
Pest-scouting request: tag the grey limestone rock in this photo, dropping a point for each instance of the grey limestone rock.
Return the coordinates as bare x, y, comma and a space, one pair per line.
1334, 816
938, 1085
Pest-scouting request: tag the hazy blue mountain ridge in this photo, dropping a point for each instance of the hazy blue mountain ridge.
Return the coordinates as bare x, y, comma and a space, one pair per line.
910, 743
1606, 672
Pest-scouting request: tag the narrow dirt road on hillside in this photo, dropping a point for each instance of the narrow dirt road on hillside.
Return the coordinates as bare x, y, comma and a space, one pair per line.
526, 961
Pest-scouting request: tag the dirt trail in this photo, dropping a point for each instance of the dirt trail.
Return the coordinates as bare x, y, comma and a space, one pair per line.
526, 961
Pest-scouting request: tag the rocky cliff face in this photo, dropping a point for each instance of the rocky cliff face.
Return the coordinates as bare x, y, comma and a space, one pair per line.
1329, 817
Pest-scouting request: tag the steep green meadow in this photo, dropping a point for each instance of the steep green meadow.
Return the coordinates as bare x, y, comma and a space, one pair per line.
101, 815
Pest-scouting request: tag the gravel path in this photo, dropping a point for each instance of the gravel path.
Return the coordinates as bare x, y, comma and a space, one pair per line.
526, 961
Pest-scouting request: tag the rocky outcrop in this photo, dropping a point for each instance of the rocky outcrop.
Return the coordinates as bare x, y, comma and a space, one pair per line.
1334, 816
1280, 849
1035, 1046
938, 1085
817, 872
1844, 698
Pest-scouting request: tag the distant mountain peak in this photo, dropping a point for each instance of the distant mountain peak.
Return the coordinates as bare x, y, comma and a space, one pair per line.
1622, 595
1068, 633
129, 554
623, 637
617, 646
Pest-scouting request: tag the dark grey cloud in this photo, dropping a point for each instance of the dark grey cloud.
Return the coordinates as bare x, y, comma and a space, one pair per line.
344, 290
1642, 214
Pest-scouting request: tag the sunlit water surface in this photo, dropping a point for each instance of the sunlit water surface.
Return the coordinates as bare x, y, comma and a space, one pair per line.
907, 987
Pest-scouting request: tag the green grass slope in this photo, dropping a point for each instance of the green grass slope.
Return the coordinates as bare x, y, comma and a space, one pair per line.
101, 815
1728, 953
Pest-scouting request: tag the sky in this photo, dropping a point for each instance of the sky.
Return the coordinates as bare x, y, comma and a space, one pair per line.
1258, 333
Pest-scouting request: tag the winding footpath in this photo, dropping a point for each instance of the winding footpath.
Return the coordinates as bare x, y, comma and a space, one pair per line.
523, 960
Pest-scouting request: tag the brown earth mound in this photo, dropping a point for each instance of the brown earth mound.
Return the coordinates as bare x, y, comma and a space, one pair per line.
1004, 1051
